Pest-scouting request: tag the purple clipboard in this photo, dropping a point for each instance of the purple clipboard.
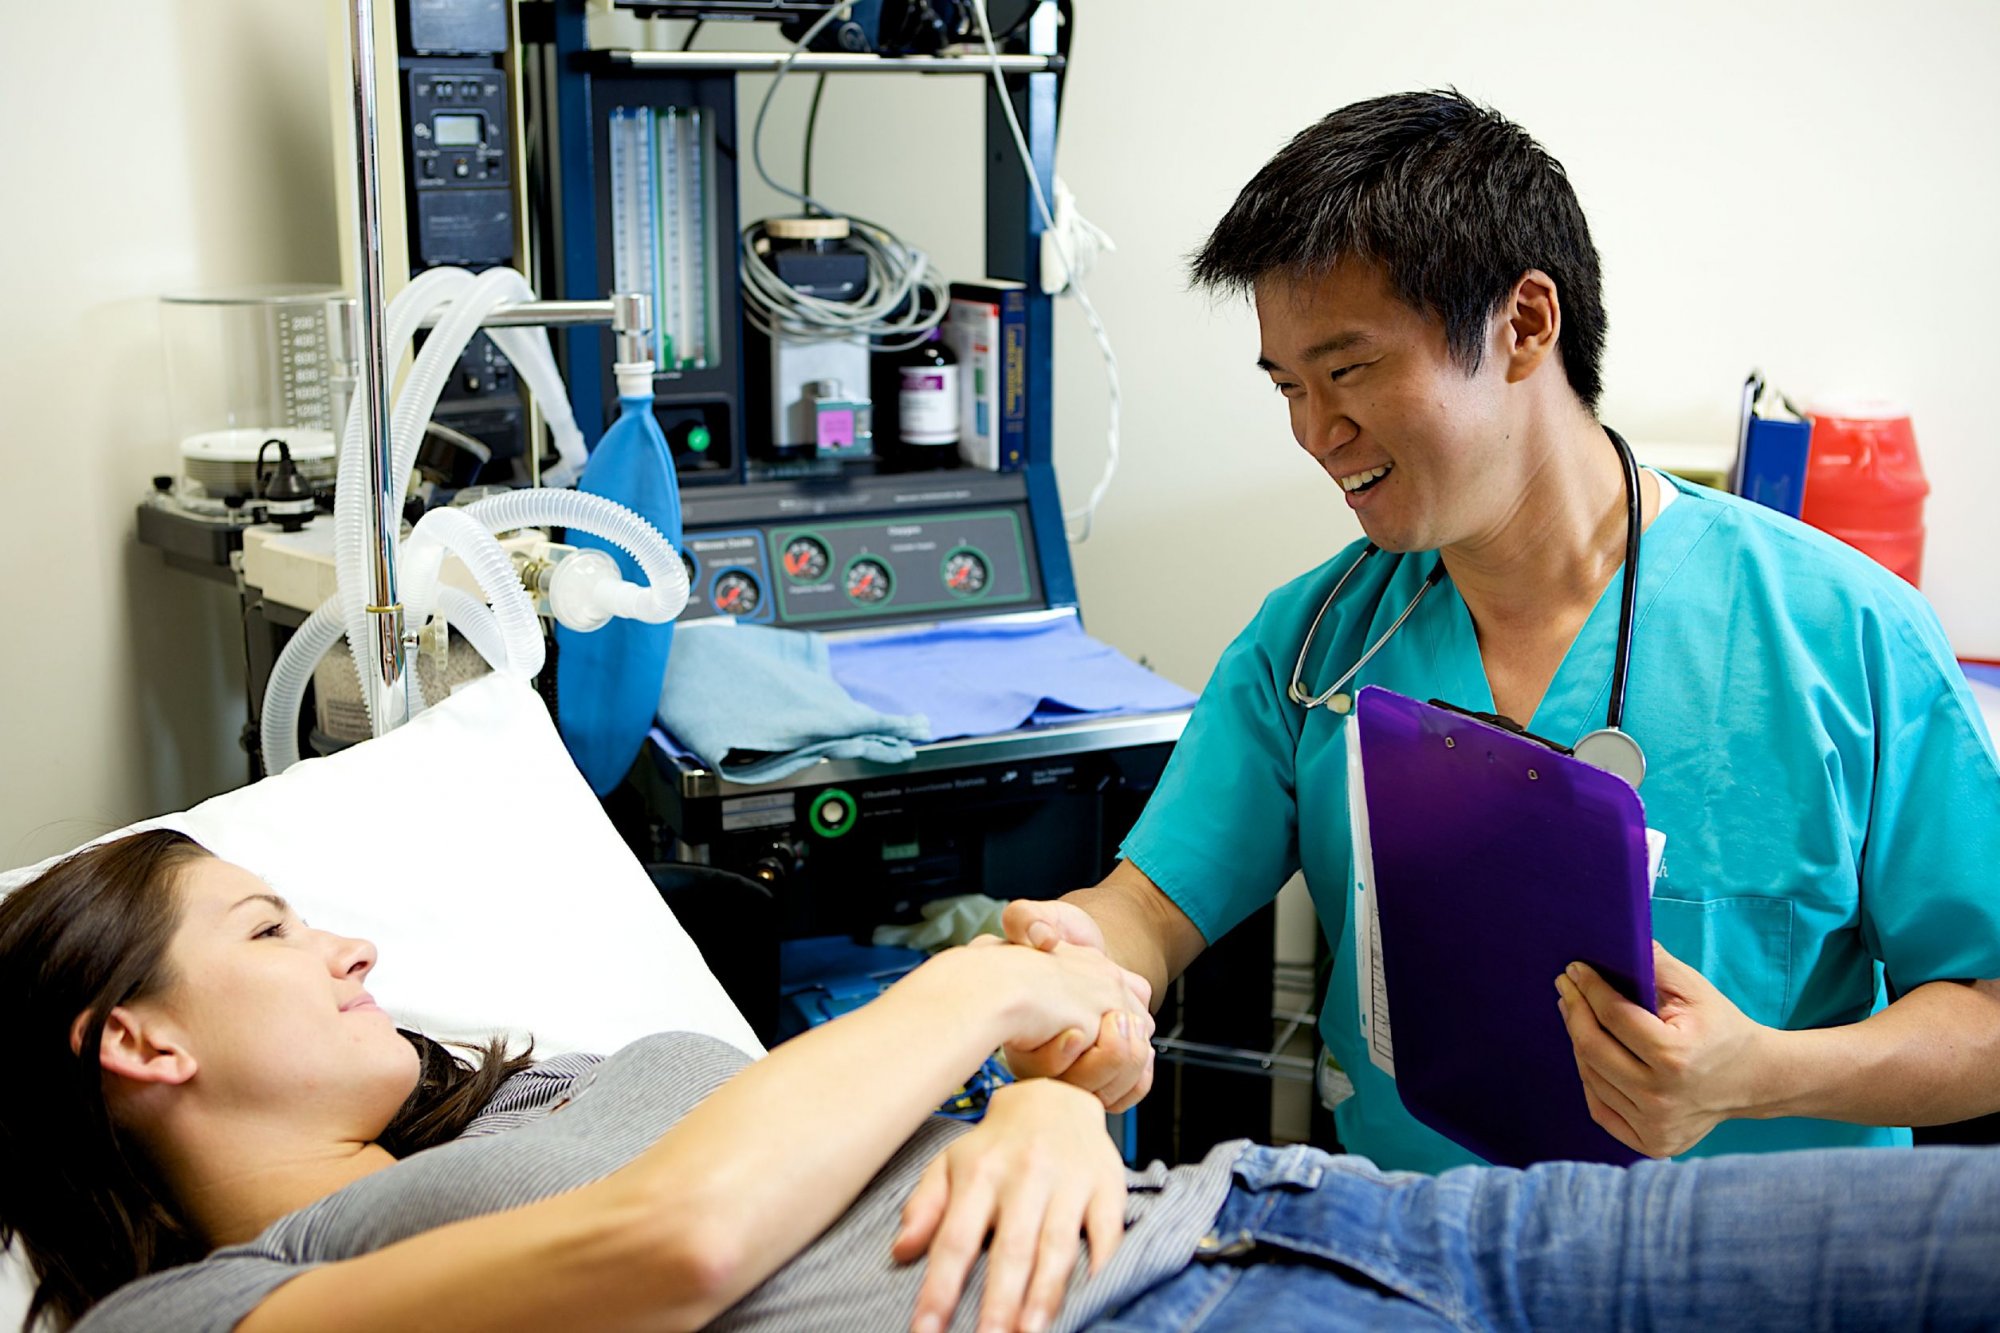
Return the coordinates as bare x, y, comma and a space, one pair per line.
1496, 862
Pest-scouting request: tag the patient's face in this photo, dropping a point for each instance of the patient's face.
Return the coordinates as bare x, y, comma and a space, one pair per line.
276, 1014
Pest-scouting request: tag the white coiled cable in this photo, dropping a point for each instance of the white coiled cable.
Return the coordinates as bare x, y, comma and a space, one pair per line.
884, 312
905, 297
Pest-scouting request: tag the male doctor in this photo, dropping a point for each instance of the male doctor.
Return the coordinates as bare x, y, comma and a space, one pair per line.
1828, 915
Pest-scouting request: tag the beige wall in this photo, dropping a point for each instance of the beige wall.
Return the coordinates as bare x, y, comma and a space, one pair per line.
1801, 186
183, 143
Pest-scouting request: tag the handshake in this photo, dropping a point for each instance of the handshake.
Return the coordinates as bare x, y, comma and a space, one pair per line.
1114, 1063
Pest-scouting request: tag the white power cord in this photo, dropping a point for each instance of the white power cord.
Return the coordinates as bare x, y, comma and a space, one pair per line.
1074, 235
889, 312
1076, 244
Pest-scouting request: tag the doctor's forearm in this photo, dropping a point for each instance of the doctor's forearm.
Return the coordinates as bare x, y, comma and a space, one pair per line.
1143, 930
1931, 1058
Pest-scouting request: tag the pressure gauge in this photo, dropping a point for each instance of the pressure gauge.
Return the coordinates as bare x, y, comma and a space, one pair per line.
965, 574
868, 582
736, 593
805, 559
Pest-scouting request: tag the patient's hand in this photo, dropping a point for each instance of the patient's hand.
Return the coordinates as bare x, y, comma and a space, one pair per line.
1116, 1067
1048, 996
1037, 1172
1115, 1062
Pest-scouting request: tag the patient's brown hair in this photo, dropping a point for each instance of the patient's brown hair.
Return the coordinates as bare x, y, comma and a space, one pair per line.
88, 1209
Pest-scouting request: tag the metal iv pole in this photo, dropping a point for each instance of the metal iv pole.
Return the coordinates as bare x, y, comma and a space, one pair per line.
383, 514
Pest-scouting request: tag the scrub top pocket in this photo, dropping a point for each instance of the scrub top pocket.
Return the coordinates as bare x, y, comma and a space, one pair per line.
1742, 945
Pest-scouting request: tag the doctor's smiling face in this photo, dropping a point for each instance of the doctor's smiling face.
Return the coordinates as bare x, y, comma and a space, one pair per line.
1420, 443
1429, 303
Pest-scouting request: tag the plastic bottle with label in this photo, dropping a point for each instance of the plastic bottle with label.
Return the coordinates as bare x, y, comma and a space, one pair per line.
927, 406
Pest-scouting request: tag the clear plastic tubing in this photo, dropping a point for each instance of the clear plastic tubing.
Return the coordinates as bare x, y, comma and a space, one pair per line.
279, 726
459, 533
666, 591
508, 634
474, 620
352, 493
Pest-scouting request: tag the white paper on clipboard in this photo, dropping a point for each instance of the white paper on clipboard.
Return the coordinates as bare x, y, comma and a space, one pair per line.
1374, 991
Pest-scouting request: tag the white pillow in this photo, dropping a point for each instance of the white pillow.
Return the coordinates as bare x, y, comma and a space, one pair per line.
16, 1289
470, 850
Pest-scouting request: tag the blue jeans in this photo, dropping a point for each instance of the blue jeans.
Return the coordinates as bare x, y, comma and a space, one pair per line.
1844, 1239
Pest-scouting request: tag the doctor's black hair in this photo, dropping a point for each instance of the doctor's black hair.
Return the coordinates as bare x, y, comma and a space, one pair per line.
1452, 199
77, 1190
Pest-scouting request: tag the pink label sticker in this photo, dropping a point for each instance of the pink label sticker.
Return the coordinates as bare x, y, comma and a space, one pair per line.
918, 381
836, 430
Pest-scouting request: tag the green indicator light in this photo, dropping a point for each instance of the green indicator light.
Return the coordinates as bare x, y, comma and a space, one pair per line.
698, 439
832, 813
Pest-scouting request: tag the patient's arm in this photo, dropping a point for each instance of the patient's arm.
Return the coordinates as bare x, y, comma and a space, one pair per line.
743, 1183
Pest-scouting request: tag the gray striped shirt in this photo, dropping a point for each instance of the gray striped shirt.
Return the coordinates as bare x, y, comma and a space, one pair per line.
516, 1152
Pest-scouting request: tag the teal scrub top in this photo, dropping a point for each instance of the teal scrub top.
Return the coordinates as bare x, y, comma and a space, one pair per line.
1828, 789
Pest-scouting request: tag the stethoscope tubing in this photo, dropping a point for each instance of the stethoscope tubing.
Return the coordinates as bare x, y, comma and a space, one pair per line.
1614, 715
1627, 606
1297, 690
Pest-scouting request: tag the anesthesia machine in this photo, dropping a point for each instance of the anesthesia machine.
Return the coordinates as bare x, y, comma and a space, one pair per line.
771, 451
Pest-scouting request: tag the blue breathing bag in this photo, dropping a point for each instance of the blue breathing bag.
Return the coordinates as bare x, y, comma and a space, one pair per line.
608, 680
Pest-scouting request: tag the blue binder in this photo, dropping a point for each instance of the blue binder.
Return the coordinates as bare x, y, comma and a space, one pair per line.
1771, 454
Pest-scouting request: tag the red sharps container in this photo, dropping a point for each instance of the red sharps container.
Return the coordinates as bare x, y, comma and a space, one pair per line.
1865, 483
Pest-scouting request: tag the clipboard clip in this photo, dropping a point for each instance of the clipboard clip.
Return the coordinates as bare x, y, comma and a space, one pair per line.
1505, 723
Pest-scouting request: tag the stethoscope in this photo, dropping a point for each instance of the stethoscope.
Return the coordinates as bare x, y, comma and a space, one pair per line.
1609, 747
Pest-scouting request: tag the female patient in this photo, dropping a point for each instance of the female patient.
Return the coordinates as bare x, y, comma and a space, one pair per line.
213, 1126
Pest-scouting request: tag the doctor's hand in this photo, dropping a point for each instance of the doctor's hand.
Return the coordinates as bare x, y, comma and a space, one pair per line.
1658, 1083
1038, 1172
1116, 1061
1045, 922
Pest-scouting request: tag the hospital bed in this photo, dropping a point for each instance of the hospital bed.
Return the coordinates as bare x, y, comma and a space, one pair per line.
547, 927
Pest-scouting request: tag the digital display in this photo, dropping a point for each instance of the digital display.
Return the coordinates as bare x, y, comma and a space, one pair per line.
457, 131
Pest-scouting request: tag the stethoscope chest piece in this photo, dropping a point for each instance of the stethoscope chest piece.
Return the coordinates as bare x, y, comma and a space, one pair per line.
1615, 752
1335, 701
